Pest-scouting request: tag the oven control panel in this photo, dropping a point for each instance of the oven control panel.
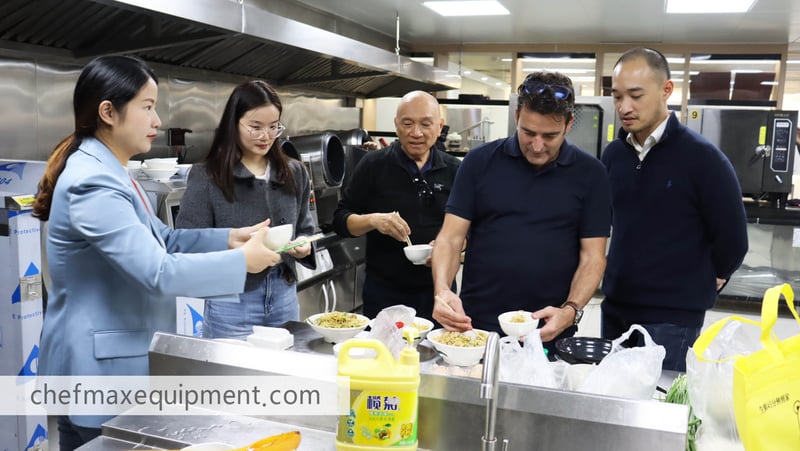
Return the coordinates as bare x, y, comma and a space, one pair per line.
782, 144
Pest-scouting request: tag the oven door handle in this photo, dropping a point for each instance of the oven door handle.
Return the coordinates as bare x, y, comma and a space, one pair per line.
325, 296
333, 294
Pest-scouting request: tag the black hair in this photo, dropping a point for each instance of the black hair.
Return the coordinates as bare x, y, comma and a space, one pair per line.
654, 59
225, 151
546, 101
114, 78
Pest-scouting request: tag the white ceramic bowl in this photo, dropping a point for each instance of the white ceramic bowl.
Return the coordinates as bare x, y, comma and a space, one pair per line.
278, 236
517, 329
159, 174
134, 168
183, 169
418, 253
336, 334
423, 326
161, 163
457, 355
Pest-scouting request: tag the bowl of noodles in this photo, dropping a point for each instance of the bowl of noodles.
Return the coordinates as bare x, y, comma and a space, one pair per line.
517, 323
336, 327
423, 326
459, 348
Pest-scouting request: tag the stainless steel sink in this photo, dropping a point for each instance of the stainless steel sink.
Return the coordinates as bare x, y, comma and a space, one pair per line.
451, 414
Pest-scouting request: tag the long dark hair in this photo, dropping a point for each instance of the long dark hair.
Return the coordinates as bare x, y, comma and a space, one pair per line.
225, 151
117, 79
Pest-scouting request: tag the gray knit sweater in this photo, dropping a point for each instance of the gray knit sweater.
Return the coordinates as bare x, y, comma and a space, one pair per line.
204, 205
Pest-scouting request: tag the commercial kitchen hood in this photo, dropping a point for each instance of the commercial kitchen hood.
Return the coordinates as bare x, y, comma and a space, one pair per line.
233, 37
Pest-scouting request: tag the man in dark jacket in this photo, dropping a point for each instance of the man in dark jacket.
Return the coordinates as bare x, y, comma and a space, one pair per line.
394, 193
679, 227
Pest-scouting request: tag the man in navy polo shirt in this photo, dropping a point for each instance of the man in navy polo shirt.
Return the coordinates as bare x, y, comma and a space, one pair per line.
537, 212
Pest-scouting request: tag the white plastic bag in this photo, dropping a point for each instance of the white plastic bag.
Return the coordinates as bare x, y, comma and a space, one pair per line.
528, 364
384, 327
710, 383
627, 372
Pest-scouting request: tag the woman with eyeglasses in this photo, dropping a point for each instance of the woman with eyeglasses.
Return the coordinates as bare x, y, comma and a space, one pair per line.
247, 175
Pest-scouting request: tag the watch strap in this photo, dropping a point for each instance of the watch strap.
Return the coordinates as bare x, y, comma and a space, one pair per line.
578, 311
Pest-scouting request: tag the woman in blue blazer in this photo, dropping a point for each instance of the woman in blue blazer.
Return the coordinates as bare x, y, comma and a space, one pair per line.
115, 268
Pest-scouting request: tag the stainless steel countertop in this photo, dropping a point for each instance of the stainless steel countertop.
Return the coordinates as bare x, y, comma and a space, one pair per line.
451, 413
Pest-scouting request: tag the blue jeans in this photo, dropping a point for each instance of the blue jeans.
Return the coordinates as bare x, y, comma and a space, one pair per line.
272, 303
676, 339
71, 436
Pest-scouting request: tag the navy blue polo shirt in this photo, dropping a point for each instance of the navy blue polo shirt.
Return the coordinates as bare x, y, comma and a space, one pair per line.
526, 225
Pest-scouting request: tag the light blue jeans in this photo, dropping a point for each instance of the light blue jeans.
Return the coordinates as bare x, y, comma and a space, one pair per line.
272, 303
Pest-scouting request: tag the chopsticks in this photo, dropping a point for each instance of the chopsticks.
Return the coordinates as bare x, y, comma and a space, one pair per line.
438, 299
310, 239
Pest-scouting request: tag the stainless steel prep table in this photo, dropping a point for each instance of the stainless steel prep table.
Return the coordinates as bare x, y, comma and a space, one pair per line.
451, 415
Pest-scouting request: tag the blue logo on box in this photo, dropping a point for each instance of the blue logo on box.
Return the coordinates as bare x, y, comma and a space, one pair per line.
15, 168
39, 436
32, 364
197, 322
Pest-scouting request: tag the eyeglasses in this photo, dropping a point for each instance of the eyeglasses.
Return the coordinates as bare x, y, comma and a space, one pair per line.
537, 87
274, 131
424, 190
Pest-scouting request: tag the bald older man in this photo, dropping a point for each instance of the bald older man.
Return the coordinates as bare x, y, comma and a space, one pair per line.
394, 193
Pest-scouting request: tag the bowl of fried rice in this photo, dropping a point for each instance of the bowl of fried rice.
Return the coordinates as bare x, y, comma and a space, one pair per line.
517, 323
336, 327
459, 348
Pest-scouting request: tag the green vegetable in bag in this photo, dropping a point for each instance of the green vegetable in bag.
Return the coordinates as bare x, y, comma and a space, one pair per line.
678, 393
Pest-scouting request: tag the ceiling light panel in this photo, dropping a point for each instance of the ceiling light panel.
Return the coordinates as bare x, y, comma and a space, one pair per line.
467, 8
707, 6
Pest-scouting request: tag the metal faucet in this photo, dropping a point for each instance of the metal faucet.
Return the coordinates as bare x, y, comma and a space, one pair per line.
490, 388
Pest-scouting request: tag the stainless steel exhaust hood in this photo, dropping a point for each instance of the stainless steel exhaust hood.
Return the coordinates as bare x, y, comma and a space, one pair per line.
233, 37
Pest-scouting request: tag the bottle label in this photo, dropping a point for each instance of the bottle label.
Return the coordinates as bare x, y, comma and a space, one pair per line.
384, 419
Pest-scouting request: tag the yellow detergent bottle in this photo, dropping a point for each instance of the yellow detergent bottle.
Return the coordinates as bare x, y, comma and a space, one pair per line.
383, 397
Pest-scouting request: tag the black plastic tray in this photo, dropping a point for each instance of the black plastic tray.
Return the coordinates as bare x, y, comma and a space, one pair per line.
583, 349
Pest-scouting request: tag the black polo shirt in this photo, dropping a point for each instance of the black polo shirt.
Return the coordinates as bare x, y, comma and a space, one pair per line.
383, 182
526, 225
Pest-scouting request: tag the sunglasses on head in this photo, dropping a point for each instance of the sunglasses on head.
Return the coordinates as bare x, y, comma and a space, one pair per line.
533, 87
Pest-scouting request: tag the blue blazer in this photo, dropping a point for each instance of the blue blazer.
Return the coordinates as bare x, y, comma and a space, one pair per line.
116, 269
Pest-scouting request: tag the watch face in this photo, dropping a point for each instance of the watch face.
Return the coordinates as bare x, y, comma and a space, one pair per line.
578, 316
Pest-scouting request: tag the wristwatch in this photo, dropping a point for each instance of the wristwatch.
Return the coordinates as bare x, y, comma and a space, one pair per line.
578, 311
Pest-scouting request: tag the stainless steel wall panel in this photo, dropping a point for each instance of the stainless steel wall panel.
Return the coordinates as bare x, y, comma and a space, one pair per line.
309, 115
36, 110
195, 105
17, 109
55, 85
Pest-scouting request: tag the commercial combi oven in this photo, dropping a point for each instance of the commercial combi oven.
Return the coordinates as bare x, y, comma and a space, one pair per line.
759, 143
